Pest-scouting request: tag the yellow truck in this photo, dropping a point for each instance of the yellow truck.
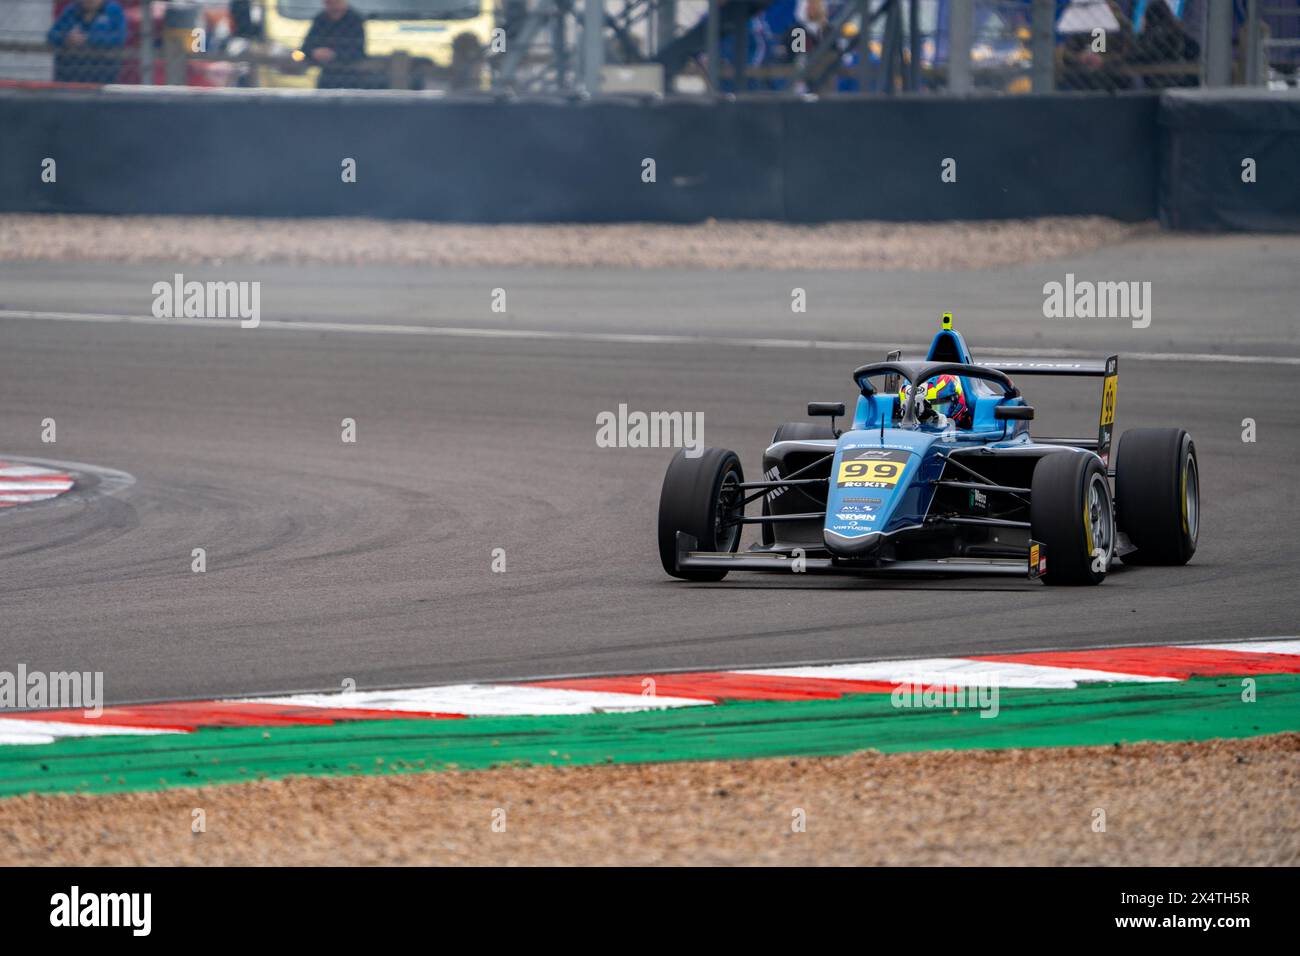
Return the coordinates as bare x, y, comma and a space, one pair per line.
440, 37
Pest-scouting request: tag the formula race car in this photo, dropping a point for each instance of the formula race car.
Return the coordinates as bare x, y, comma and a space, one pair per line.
938, 473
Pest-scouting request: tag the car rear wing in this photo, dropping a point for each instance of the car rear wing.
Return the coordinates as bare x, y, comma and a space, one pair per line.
1107, 370
1033, 367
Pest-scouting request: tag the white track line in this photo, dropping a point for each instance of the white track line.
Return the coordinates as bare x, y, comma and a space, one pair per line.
15, 731
23, 471
1255, 647
959, 672
488, 700
619, 338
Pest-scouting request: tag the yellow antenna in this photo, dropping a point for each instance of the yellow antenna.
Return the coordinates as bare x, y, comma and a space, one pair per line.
947, 321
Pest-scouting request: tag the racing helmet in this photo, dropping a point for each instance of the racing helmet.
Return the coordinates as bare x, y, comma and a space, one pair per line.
944, 396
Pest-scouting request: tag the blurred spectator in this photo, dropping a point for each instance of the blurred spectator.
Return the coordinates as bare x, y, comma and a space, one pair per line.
813, 16
337, 42
1164, 41
1082, 68
245, 19
466, 62
814, 19
86, 26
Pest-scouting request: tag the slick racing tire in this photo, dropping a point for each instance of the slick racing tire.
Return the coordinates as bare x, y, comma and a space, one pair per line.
793, 431
1158, 495
698, 497
1070, 512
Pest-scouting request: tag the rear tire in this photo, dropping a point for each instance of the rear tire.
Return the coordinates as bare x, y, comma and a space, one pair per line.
1071, 513
1157, 491
696, 499
793, 431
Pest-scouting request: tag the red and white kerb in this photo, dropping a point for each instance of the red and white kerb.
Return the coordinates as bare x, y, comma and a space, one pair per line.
23, 484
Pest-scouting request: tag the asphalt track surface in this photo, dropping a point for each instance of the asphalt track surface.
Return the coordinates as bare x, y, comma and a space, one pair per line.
372, 561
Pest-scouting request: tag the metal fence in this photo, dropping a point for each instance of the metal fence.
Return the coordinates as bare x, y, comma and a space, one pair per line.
779, 47
1130, 45
205, 43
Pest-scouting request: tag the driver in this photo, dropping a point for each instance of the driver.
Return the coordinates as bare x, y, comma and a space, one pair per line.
943, 400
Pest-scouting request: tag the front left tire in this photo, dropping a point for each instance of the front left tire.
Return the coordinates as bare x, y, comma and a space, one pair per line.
701, 497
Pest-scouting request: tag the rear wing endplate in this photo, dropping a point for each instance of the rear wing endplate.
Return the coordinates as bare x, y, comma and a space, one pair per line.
1109, 392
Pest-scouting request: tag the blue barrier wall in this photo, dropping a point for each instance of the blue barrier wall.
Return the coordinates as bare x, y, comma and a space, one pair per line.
124, 151
1206, 137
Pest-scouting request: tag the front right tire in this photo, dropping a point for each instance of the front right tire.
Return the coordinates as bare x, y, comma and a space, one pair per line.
1071, 513
1158, 494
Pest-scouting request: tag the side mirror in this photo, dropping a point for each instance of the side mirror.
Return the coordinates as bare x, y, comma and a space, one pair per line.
823, 409
832, 409
1020, 413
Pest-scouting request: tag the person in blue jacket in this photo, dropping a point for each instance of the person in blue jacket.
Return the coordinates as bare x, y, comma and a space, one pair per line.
83, 28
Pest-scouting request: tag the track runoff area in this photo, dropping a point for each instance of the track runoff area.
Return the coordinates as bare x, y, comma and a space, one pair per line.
1096, 697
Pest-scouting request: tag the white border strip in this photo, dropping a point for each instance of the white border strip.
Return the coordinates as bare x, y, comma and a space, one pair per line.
1253, 647
619, 338
959, 672
488, 700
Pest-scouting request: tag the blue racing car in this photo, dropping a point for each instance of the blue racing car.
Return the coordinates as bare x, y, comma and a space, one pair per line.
938, 473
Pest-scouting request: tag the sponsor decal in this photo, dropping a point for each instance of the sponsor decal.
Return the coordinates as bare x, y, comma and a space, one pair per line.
1109, 392
875, 446
871, 468
1037, 560
857, 511
774, 474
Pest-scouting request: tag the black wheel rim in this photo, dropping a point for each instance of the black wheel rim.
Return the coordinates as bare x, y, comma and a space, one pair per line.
726, 524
